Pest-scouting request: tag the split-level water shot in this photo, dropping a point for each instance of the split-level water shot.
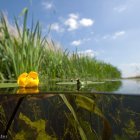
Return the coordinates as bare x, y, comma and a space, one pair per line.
69, 70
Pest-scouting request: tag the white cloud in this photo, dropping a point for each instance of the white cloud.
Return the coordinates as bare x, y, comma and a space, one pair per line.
56, 27
74, 22
47, 5
86, 22
118, 34
120, 8
88, 52
76, 43
74, 16
114, 35
80, 41
71, 23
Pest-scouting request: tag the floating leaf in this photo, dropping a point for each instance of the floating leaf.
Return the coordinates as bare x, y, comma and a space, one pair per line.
66, 83
8, 85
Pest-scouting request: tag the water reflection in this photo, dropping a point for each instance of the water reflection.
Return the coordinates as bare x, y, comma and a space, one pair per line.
33, 90
55, 86
129, 86
72, 116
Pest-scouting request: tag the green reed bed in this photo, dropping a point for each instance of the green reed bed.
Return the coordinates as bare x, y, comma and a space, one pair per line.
28, 50
90, 67
63, 65
20, 53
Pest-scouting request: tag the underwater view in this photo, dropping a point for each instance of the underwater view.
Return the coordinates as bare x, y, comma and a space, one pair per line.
58, 110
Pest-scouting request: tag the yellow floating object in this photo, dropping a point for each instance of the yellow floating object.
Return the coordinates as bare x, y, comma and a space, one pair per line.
28, 80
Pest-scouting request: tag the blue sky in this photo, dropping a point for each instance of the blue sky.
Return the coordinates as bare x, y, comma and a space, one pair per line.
106, 29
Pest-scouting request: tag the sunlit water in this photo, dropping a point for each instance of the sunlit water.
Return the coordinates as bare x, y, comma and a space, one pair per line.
130, 87
108, 111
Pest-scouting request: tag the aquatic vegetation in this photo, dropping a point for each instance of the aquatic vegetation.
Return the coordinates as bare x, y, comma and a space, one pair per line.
28, 80
81, 131
65, 65
21, 52
88, 104
37, 126
8, 85
130, 129
2, 118
75, 116
26, 49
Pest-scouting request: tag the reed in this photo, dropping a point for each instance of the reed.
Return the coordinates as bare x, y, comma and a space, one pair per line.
26, 50
22, 52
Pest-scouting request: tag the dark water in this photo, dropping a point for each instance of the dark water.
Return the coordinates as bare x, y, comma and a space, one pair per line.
66, 111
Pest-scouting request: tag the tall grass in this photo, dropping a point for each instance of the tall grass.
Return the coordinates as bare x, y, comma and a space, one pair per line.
28, 50
22, 53
63, 65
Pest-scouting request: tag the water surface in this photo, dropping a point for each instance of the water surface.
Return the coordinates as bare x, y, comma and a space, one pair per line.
103, 110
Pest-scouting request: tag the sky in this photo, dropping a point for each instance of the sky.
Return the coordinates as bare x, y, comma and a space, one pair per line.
108, 30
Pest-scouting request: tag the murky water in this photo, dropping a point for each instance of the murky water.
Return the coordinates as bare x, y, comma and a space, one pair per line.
67, 111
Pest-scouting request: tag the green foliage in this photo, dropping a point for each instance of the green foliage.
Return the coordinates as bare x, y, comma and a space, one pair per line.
21, 53
58, 64
8, 85
2, 117
90, 134
130, 129
90, 105
24, 49
37, 126
84, 127
81, 131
